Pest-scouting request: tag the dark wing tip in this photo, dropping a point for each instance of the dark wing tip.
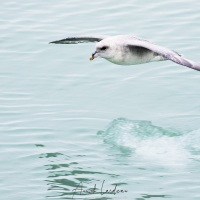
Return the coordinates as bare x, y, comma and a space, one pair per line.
76, 40
63, 41
54, 42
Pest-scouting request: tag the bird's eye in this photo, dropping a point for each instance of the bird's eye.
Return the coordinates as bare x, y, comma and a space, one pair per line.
103, 48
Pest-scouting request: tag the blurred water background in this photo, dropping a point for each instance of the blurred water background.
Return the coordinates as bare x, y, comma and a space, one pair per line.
65, 121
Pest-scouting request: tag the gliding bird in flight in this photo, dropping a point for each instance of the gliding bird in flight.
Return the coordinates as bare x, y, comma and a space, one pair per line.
129, 50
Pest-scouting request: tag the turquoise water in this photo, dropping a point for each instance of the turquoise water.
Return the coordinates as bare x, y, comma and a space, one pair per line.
68, 124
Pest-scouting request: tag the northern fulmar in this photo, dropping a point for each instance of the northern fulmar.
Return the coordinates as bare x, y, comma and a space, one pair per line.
129, 50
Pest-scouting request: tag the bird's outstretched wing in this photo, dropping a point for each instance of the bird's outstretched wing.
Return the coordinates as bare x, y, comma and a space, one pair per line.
166, 53
81, 39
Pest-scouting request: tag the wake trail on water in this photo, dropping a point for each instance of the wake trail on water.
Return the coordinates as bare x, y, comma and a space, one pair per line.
154, 143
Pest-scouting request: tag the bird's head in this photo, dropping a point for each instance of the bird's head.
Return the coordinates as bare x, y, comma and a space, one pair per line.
103, 50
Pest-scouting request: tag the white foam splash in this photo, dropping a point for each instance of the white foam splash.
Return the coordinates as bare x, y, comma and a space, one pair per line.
153, 143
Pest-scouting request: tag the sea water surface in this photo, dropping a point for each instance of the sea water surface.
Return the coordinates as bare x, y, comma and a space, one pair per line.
75, 129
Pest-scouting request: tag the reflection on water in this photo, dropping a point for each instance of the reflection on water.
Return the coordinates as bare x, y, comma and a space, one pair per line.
149, 196
68, 180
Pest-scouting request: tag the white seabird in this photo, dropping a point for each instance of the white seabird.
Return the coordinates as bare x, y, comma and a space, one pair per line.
129, 50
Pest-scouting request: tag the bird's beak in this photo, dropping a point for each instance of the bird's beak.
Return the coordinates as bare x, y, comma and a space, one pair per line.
93, 56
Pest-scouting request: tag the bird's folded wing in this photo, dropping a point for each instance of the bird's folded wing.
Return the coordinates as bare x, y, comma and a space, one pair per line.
81, 39
166, 53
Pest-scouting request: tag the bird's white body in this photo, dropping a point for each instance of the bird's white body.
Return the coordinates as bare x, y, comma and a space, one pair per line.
130, 58
119, 53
